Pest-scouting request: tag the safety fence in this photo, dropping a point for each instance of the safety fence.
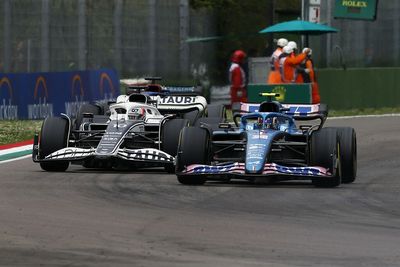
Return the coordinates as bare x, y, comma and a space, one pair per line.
137, 38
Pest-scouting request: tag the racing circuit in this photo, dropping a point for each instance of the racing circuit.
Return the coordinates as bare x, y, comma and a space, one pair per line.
95, 218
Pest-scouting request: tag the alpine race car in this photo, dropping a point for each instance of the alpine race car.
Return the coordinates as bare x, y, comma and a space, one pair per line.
132, 132
267, 146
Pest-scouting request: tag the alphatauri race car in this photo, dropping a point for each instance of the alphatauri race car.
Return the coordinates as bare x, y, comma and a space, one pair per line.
130, 133
267, 146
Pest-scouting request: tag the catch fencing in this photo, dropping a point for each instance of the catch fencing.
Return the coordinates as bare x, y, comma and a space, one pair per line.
137, 38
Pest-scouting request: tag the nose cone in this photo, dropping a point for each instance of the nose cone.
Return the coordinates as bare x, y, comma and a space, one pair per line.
258, 147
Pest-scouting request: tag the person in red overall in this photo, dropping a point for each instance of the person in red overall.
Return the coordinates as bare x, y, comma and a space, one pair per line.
237, 78
274, 76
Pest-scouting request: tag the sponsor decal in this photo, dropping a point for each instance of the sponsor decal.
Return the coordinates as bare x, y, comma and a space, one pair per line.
257, 146
281, 90
178, 100
208, 169
248, 107
72, 107
261, 135
145, 154
180, 89
41, 109
302, 110
7, 110
119, 125
105, 77
269, 168
360, 4
71, 153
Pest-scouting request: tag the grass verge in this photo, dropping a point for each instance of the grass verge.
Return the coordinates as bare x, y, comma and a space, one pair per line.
16, 131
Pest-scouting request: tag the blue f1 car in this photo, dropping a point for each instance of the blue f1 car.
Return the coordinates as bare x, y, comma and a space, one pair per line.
267, 146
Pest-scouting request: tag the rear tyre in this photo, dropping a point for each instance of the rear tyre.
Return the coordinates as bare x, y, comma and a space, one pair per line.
170, 138
85, 108
210, 122
325, 152
53, 136
348, 151
216, 111
193, 149
192, 116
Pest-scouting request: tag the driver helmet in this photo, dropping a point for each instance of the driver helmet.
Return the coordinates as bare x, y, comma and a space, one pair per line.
258, 124
137, 114
271, 123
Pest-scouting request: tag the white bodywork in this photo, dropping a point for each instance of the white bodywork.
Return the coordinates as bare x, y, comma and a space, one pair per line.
152, 114
134, 111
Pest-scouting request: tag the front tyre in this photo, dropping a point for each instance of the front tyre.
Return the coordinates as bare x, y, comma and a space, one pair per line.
170, 138
53, 136
348, 149
325, 151
193, 148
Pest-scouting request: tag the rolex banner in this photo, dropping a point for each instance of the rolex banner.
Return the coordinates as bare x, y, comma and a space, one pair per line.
356, 9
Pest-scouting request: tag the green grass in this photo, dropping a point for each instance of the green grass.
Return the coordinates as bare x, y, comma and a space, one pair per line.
15, 131
21, 130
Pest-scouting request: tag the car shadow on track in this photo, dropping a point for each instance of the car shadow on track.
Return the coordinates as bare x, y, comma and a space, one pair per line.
250, 184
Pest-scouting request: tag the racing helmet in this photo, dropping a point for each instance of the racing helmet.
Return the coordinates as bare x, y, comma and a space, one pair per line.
258, 124
271, 123
282, 42
292, 44
238, 56
137, 114
287, 49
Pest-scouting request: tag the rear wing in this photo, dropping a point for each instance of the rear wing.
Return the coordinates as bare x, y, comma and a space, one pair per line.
300, 112
180, 103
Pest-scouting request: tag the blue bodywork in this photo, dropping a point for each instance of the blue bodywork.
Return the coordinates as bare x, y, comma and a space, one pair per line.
261, 130
260, 135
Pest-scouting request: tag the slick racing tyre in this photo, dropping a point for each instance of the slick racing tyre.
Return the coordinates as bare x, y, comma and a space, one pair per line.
53, 136
85, 108
209, 122
216, 111
325, 151
348, 150
193, 148
170, 137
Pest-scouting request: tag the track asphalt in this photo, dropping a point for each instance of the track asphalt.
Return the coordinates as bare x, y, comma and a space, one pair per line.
105, 218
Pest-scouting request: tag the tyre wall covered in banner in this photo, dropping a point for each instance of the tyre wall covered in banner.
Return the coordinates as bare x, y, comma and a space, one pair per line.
42, 94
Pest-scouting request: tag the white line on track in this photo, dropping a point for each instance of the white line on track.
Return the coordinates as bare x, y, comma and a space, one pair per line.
365, 116
10, 160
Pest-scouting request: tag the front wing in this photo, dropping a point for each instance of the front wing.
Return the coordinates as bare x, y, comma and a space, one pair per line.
149, 155
237, 170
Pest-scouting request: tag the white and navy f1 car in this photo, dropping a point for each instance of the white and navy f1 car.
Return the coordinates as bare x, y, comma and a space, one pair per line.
132, 132
267, 146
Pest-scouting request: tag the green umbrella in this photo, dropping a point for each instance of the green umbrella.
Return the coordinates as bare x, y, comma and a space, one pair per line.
299, 27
